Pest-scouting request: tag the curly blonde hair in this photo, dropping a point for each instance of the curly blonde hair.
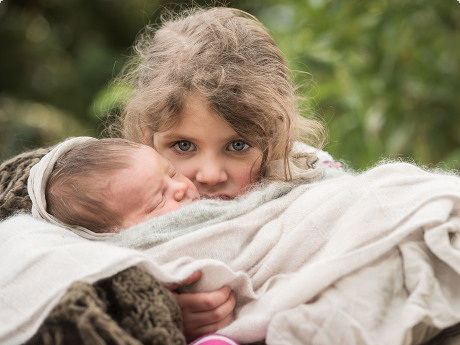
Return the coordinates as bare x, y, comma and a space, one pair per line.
227, 57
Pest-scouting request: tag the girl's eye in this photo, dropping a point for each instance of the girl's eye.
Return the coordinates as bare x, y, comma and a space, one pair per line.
238, 145
184, 146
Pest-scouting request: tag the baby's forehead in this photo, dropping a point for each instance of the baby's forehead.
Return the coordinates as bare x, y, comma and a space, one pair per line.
145, 154
147, 148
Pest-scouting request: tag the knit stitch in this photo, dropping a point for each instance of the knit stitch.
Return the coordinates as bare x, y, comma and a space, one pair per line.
129, 308
13, 182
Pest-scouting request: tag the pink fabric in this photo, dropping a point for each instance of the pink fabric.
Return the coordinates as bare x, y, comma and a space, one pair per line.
214, 339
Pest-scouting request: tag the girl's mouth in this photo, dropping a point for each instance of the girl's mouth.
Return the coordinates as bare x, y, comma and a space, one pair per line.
216, 196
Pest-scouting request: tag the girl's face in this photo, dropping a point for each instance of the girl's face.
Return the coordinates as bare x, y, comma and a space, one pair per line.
204, 148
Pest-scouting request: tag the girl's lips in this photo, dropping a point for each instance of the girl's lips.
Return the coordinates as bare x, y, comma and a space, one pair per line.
216, 196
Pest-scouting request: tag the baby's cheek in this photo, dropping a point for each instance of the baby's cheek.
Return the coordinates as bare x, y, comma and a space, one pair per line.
186, 168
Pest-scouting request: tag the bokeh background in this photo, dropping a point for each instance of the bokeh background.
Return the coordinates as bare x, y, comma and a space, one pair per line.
383, 75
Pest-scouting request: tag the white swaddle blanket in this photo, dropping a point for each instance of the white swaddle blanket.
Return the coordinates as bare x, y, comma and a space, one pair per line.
372, 258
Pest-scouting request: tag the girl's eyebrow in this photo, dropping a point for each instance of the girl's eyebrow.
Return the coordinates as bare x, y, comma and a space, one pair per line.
177, 136
187, 137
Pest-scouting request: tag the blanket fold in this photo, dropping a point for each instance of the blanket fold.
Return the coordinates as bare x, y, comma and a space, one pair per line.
371, 258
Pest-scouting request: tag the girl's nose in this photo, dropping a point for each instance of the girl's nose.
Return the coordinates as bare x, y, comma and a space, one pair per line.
211, 173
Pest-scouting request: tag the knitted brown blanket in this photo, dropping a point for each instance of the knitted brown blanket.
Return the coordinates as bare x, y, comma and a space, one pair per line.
13, 182
130, 307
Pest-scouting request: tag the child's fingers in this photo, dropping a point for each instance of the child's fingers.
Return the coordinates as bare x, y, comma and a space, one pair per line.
203, 301
207, 321
222, 312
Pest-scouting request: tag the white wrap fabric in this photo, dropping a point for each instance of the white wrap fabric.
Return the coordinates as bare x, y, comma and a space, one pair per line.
371, 258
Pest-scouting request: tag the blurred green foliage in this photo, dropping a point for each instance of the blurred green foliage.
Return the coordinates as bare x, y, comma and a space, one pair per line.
382, 75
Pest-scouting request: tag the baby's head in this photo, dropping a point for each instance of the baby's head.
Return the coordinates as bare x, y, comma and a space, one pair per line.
108, 185
226, 58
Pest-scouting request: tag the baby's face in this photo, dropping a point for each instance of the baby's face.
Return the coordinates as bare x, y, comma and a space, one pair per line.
149, 188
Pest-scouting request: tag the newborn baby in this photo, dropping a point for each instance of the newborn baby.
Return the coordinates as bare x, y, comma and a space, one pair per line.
106, 185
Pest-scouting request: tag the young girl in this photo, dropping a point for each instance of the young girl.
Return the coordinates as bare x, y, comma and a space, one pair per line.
212, 93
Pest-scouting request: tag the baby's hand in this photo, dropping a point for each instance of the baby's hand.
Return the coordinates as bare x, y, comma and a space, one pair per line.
204, 312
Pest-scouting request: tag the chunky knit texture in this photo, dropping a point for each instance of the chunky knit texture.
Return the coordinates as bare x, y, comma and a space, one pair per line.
129, 308
13, 182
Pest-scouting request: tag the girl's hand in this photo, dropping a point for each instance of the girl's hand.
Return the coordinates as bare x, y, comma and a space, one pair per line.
204, 312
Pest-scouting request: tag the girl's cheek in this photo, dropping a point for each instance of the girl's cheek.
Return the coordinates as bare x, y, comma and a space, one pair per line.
254, 170
243, 178
255, 175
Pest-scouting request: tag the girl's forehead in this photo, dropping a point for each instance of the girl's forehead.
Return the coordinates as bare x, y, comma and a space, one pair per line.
199, 119
193, 104
197, 112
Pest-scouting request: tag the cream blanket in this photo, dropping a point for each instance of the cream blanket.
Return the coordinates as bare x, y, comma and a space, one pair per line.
372, 258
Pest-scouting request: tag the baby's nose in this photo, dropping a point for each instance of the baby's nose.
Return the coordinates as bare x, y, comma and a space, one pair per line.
180, 189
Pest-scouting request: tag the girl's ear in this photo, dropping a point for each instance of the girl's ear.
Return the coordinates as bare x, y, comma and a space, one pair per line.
144, 134
147, 137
